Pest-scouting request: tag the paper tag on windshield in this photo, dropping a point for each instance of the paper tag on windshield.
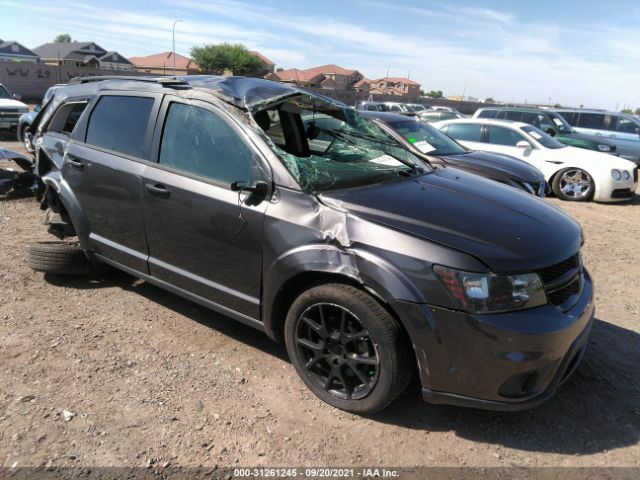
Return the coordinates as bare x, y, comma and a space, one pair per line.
387, 160
424, 146
535, 135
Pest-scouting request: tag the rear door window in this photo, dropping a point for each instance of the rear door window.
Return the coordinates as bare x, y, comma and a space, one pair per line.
515, 116
466, 132
119, 123
594, 121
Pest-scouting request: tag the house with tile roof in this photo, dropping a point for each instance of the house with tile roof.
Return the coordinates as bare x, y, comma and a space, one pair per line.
11, 51
82, 55
395, 86
328, 77
267, 65
162, 64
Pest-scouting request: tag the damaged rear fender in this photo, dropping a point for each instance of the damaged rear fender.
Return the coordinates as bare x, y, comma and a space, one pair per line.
55, 185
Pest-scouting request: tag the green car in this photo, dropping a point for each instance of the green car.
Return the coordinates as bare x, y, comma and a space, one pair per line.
551, 122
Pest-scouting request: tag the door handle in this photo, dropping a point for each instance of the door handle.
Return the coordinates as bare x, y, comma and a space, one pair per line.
157, 190
74, 162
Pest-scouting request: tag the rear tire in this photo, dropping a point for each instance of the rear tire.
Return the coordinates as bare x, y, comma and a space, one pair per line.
62, 258
348, 349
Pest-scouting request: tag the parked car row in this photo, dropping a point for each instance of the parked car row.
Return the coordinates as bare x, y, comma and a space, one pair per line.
424, 112
361, 242
574, 173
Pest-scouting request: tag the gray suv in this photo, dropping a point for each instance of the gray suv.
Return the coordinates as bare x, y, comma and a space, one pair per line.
621, 129
370, 263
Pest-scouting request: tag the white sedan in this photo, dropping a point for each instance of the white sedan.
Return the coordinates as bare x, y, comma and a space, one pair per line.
573, 173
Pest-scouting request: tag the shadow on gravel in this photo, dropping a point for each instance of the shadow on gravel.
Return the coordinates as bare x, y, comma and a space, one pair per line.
598, 409
225, 325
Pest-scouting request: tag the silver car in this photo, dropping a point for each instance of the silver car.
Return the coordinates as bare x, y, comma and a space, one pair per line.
620, 128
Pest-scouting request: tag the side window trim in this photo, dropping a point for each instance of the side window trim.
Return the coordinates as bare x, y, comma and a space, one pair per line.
86, 119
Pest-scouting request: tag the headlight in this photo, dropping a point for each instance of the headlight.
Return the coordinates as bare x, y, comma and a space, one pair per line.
490, 293
616, 174
604, 148
626, 175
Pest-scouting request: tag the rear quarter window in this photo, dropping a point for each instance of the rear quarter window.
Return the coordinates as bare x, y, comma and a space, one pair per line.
119, 123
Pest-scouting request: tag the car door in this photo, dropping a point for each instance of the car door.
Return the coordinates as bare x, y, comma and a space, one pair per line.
103, 169
204, 238
624, 131
590, 123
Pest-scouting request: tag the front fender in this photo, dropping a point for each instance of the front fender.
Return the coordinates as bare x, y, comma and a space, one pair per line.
371, 272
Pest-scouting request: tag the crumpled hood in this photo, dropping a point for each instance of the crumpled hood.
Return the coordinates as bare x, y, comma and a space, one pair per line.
508, 230
7, 103
505, 165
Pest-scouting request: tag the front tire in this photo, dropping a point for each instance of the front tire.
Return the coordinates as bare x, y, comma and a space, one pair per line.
347, 348
574, 185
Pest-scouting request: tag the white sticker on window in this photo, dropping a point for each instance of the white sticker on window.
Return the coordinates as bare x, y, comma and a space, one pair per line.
424, 146
387, 160
557, 121
535, 135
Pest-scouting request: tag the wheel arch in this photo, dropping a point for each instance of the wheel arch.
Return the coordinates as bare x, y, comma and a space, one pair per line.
59, 197
302, 272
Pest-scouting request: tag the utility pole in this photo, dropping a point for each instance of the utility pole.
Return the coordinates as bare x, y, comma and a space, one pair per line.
174, 45
388, 67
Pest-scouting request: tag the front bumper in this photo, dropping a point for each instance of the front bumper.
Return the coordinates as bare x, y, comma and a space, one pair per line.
510, 361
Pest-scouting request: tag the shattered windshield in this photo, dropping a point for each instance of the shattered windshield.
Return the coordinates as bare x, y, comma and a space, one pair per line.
327, 146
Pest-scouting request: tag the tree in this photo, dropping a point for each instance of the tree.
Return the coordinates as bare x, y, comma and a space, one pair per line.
489, 100
63, 38
637, 112
433, 94
626, 110
225, 56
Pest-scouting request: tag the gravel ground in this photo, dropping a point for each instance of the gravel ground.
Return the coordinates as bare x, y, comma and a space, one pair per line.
112, 371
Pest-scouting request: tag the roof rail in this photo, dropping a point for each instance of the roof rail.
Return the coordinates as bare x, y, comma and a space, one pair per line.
166, 81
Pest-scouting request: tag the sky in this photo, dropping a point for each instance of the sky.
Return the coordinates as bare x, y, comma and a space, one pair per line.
569, 52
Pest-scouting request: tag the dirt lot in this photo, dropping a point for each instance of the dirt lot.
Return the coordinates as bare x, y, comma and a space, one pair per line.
151, 378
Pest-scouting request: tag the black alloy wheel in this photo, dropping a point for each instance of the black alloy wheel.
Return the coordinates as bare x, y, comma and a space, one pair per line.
337, 350
347, 348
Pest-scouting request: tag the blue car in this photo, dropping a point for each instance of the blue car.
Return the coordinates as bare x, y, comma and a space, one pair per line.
26, 119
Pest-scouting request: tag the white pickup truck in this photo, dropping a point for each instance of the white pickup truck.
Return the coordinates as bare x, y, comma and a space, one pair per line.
10, 109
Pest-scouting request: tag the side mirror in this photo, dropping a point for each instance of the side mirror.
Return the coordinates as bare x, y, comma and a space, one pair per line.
17, 96
551, 131
523, 144
258, 192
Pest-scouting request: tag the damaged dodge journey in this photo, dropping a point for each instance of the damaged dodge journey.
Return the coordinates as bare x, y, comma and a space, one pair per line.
294, 214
